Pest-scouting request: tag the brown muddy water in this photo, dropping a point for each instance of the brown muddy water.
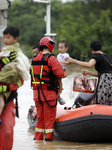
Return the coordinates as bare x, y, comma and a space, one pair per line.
23, 134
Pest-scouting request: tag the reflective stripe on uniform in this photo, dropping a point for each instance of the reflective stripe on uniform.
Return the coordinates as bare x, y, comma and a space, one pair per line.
19, 83
37, 82
64, 75
49, 130
3, 88
39, 130
34, 82
41, 72
32, 73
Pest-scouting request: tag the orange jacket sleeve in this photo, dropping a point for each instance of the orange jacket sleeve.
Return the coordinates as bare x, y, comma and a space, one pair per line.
56, 68
11, 87
14, 87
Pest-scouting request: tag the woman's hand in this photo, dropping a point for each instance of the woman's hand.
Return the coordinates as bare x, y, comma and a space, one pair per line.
63, 62
67, 61
87, 72
84, 72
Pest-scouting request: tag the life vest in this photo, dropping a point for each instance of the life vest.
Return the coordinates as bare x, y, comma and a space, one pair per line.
41, 74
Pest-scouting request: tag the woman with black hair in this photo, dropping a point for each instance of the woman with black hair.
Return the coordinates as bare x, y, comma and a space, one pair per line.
103, 67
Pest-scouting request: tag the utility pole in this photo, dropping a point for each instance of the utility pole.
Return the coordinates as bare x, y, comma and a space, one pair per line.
48, 33
3, 19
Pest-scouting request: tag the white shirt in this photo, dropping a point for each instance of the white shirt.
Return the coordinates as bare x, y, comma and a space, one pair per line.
62, 57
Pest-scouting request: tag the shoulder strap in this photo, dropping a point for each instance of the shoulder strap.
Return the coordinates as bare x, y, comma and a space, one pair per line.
13, 96
107, 60
45, 56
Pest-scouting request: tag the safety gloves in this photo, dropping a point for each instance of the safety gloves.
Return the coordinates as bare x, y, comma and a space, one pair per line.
11, 58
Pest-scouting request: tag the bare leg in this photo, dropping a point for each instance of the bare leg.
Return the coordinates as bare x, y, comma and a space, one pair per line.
61, 101
60, 87
2, 104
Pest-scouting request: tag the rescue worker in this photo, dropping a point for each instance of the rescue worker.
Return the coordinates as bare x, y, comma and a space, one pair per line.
8, 114
44, 68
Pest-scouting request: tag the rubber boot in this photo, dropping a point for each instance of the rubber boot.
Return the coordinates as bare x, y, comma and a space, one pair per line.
47, 139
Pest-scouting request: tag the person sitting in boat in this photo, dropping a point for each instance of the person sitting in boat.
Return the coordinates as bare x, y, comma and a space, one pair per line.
13, 71
62, 56
44, 69
103, 67
8, 113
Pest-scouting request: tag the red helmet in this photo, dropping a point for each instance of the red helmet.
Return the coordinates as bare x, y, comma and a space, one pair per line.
47, 42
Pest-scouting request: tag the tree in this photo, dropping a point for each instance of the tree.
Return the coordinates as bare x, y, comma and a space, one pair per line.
29, 17
79, 22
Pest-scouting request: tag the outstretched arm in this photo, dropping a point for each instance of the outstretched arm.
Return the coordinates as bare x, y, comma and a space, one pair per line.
89, 64
67, 61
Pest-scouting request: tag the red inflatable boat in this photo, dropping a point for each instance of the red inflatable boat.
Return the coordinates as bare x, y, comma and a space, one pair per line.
84, 122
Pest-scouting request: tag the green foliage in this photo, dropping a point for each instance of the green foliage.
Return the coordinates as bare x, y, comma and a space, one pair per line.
79, 22
30, 19
27, 50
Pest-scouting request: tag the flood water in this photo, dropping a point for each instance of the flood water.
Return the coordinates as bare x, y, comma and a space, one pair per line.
23, 134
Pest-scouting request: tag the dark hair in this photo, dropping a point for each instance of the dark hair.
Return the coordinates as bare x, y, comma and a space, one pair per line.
12, 31
96, 45
65, 42
43, 47
36, 46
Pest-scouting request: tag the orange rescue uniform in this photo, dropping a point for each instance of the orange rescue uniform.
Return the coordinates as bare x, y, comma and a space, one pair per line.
46, 114
7, 126
8, 121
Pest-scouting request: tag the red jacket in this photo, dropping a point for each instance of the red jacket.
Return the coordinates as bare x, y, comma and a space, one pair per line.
42, 71
57, 70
